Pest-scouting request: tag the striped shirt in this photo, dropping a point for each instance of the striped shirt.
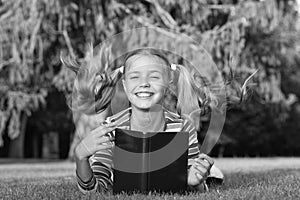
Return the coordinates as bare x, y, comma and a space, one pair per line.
101, 162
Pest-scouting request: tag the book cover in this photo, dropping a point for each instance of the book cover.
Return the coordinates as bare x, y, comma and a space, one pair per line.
145, 162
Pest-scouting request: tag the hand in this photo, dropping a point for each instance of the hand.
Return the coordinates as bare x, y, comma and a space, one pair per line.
200, 170
94, 141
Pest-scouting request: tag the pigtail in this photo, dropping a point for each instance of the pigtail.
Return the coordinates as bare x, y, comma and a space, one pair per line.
241, 93
69, 62
94, 85
187, 98
105, 88
197, 97
207, 98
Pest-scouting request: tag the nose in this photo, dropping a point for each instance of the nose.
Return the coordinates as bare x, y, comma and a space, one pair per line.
145, 83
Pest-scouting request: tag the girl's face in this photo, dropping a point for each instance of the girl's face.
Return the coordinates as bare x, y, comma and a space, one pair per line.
145, 81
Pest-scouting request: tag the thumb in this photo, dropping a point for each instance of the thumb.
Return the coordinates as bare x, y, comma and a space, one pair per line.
206, 158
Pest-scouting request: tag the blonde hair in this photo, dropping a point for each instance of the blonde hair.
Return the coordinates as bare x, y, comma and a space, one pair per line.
96, 82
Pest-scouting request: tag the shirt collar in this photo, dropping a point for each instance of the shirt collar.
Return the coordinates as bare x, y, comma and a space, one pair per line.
123, 119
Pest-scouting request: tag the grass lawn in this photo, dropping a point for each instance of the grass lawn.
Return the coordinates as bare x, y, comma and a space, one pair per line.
246, 178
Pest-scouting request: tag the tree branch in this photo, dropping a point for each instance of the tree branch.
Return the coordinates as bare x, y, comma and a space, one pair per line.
34, 34
166, 18
165, 32
68, 41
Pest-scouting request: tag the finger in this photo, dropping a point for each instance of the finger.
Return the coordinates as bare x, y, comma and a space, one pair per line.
207, 158
203, 163
201, 170
103, 126
104, 146
104, 131
107, 130
104, 139
200, 177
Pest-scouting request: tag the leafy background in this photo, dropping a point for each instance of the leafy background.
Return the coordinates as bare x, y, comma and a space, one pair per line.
241, 36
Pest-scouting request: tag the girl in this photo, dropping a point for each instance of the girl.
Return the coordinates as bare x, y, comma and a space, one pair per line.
146, 77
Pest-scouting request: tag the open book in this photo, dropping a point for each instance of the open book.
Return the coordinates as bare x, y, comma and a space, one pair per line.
150, 161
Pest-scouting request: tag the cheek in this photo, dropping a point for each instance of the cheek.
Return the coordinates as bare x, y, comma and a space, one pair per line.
160, 86
129, 87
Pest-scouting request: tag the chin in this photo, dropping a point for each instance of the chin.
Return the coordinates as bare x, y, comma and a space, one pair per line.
142, 106
145, 105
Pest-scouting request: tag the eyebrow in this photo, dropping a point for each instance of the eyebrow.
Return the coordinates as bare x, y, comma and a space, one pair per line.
152, 71
133, 72
138, 72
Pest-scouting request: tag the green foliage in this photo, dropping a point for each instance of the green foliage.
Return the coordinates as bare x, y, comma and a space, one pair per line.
241, 36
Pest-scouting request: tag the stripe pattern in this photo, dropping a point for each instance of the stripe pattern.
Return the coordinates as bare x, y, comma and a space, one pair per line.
101, 161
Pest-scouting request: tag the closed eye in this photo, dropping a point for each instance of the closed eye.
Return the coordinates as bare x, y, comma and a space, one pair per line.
155, 77
133, 77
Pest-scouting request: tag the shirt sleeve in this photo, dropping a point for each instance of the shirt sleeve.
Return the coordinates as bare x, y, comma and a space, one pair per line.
193, 151
87, 186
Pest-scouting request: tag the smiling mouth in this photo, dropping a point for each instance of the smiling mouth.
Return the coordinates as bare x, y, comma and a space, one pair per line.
144, 94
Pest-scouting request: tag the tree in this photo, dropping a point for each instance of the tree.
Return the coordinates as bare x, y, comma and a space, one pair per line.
240, 36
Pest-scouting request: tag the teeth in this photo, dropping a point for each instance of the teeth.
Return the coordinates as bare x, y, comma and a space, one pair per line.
143, 94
